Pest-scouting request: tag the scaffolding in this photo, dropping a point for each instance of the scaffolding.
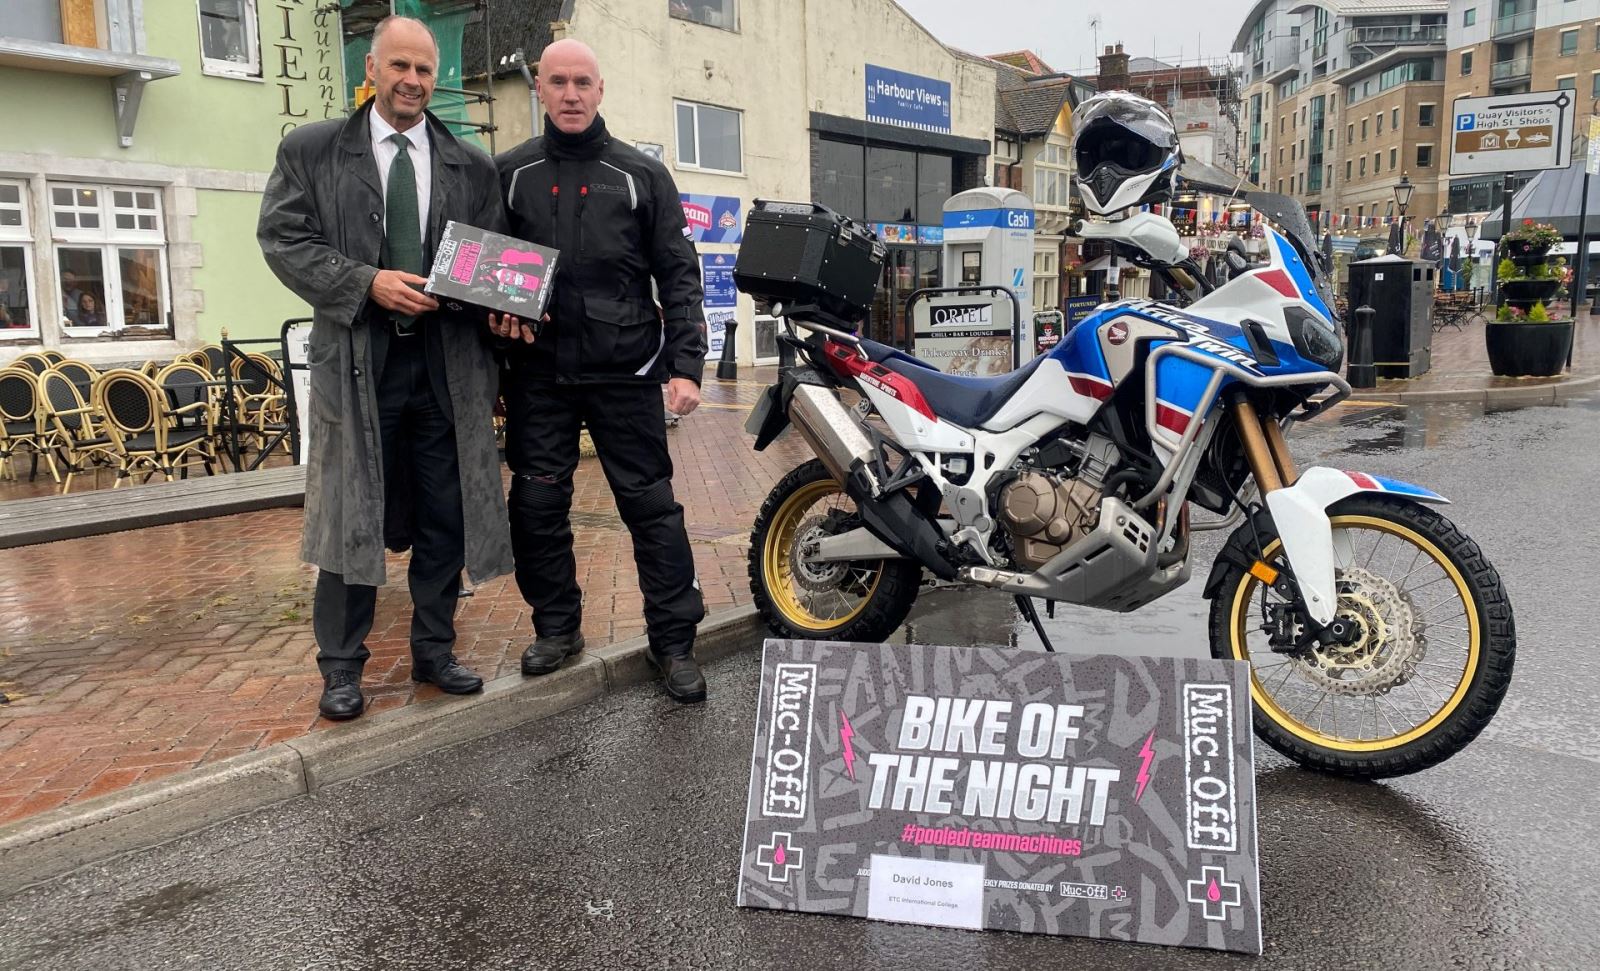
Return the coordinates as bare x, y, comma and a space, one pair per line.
449, 20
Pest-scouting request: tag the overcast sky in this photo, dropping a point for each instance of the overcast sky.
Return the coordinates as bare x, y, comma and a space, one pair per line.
1059, 31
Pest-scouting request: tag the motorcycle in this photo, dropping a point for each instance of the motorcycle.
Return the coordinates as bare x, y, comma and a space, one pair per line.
1380, 638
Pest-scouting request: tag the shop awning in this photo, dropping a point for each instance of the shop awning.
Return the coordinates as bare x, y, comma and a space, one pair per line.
1554, 196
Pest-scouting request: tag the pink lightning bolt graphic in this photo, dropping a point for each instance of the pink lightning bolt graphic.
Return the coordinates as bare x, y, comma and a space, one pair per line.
1146, 755
846, 733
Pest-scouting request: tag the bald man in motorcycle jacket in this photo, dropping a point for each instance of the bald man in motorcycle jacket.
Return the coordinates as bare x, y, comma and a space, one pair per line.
599, 360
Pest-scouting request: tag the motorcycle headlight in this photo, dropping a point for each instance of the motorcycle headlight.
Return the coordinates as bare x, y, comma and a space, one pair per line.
1314, 338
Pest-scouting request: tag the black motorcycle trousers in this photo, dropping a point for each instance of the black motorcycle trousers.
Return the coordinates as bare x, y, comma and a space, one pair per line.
627, 425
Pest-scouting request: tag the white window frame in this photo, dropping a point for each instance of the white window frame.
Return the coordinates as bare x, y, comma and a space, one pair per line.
1427, 104
1561, 43
677, 140
109, 240
1053, 164
734, 27
21, 237
1567, 77
221, 67
1046, 279
1433, 155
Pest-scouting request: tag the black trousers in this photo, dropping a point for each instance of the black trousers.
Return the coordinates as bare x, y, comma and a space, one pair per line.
627, 424
416, 432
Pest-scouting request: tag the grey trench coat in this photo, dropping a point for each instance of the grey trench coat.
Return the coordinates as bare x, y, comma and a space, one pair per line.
321, 230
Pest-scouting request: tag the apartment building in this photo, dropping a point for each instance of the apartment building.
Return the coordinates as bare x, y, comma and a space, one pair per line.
1343, 98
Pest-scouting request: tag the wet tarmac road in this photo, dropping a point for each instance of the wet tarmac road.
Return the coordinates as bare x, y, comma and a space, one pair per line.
609, 837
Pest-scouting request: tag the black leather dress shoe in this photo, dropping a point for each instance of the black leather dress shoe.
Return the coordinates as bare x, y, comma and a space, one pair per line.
546, 654
448, 673
681, 674
341, 696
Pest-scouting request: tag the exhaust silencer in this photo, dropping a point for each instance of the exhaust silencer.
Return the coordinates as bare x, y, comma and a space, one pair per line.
830, 430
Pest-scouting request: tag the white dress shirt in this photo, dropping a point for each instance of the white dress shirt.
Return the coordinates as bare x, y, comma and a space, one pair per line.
384, 152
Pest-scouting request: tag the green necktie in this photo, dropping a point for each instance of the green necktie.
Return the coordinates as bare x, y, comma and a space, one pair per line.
402, 229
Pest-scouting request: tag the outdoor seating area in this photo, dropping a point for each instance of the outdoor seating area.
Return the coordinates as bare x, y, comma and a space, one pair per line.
207, 410
1457, 308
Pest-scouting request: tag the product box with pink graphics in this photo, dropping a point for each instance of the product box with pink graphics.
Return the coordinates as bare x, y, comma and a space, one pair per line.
475, 266
1103, 796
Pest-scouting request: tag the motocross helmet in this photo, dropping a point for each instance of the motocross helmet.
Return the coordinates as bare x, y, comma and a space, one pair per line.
1126, 151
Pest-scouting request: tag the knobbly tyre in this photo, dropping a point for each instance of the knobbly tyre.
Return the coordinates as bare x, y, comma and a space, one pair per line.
1380, 638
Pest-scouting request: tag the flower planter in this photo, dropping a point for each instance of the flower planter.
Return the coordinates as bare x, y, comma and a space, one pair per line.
1528, 350
1526, 248
1523, 294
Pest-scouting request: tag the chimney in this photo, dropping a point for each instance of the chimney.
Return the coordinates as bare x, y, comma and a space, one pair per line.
1113, 69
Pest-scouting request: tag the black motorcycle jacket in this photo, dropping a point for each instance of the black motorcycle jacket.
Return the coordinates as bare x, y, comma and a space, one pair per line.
616, 218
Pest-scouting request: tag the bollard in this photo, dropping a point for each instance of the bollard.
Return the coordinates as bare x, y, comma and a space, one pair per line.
727, 366
1361, 372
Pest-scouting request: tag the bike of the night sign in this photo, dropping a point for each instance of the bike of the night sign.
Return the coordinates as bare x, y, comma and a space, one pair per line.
907, 100
1093, 795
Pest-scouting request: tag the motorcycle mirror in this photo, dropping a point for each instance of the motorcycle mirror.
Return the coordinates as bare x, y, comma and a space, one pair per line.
1238, 260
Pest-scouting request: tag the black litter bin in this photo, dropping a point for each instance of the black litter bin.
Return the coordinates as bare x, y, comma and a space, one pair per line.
1401, 291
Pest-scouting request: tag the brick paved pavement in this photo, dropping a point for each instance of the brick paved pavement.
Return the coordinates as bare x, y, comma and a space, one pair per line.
1461, 360
132, 656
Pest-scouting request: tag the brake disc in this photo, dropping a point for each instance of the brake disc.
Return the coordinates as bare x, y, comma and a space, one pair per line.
1387, 650
809, 573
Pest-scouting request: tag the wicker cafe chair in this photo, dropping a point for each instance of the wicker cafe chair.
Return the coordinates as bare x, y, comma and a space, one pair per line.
76, 429
185, 385
80, 374
54, 357
139, 419
152, 368
261, 405
33, 361
211, 357
22, 423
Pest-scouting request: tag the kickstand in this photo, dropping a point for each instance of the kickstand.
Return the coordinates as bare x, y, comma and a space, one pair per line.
1025, 604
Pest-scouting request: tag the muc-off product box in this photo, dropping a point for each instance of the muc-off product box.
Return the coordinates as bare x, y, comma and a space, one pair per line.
503, 273
803, 253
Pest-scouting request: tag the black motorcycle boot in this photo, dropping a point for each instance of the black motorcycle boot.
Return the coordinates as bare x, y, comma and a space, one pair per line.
681, 675
546, 654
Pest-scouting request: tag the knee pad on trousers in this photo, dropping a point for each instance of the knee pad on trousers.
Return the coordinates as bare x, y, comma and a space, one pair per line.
652, 502
536, 494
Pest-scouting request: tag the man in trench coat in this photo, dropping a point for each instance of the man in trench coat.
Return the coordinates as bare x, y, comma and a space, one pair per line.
401, 450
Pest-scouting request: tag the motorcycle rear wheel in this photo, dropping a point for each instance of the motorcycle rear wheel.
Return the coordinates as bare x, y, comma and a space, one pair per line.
1432, 664
862, 600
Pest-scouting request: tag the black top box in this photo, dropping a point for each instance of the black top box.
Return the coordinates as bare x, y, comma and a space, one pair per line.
801, 253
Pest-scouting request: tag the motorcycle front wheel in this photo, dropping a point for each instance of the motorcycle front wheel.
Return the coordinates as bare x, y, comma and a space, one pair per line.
1431, 661
859, 600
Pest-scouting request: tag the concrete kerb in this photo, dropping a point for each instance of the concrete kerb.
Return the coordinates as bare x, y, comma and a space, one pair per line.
1548, 392
61, 840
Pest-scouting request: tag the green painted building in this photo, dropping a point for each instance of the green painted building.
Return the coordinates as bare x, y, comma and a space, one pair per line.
138, 135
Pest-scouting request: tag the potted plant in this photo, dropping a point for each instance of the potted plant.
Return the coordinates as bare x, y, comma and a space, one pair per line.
1523, 340
1530, 243
1528, 345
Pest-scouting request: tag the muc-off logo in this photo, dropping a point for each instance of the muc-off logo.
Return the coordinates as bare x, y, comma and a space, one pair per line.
1211, 818
794, 695
1086, 891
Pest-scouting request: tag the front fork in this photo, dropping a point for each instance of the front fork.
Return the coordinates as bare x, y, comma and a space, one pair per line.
1268, 456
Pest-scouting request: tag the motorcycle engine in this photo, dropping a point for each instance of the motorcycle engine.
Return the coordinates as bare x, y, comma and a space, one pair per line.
1045, 513
1055, 498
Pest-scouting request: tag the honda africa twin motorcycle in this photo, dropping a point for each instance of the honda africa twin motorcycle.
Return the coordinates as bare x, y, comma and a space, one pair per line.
1379, 636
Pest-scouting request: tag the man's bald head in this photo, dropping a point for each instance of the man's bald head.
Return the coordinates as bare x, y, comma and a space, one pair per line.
570, 86
403, 65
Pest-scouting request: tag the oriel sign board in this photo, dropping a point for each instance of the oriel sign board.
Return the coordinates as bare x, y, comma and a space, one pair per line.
1512, 133
1101, 796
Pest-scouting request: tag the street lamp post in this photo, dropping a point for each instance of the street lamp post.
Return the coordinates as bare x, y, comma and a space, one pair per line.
1402, 199
1472, 247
